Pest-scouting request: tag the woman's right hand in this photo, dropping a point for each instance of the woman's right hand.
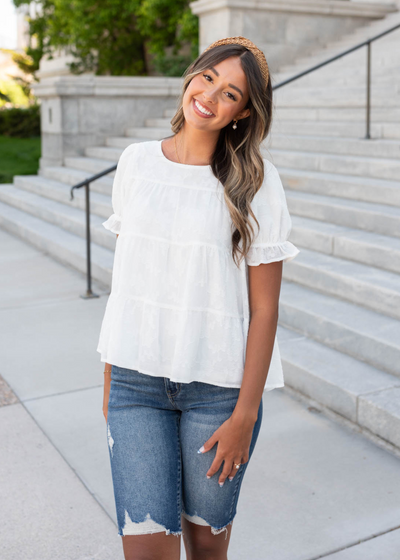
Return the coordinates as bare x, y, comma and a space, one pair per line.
107, 383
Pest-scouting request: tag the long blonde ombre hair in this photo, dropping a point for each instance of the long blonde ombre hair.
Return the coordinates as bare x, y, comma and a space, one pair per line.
237, 161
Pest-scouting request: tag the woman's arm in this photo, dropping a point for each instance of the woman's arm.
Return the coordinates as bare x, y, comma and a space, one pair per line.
107, 382
264, 290
106, 394
234, 435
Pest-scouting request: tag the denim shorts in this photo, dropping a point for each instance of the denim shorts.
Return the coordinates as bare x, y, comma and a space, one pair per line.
155, 428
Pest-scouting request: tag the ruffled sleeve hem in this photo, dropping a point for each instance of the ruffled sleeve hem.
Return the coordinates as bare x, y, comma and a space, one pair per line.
113, 223
263, 254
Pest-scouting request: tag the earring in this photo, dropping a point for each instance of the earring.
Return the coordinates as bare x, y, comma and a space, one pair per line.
235, 124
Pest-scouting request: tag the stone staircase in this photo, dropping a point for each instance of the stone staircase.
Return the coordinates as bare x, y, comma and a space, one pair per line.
339, 325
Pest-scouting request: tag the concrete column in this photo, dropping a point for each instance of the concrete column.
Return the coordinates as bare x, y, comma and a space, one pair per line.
82, 111
284, 29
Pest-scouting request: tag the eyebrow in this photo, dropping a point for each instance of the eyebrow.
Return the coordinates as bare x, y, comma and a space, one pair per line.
230, 85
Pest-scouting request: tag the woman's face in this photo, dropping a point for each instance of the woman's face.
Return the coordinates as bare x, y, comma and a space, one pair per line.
220, 90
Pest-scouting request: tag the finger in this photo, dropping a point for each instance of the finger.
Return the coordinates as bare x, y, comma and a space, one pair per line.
215, 466
234, 470
226, 471
209, 444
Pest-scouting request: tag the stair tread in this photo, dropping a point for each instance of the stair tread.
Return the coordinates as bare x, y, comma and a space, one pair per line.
52, 184
339, 267
56, 235
372, 207
351, 157
378, 240
351, 316
331, 365
339, 177
71, 212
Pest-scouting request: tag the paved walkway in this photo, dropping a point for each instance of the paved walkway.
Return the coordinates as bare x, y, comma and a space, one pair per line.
313, 489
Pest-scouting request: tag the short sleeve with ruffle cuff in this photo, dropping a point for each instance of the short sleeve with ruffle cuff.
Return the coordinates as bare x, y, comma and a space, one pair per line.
113, 223
270, 243
120, 190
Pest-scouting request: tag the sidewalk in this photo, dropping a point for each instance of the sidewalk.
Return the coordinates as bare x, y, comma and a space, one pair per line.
313, 489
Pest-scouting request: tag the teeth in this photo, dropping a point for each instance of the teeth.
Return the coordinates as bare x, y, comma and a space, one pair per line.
201, 108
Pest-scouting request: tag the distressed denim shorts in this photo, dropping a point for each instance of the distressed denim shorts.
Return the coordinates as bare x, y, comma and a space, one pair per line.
155, 428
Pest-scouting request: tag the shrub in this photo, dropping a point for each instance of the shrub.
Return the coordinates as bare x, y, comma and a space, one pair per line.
20, 122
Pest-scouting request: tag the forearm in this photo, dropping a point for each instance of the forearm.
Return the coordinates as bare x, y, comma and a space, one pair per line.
260, 344
107, 375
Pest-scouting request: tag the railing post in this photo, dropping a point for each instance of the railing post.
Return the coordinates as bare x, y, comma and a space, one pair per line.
89, 293
368, 114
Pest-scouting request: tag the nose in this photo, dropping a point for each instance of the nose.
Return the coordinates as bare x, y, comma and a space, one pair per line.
208, 96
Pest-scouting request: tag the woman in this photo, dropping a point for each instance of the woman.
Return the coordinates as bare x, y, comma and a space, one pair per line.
189, 333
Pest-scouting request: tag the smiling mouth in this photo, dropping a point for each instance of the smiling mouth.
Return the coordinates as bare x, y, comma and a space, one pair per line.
201, 107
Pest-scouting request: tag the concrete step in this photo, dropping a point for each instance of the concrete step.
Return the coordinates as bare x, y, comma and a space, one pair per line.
71, 177
337, 114
358, 332
355, 245
366, 189
91, 165
357, 391
355, 61
385, 149
67, 217
106, 153
377, 218
380, 168
123, 142
299, 95
148, 133
100, 204
370, 287
63, 246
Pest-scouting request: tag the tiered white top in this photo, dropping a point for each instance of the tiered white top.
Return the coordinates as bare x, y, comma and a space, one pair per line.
179, 305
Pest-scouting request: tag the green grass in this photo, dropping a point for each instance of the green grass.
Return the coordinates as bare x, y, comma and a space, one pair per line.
18, 156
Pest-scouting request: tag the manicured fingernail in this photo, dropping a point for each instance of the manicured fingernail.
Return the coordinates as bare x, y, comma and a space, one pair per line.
230, 479
208, 476
221, 484
201, 449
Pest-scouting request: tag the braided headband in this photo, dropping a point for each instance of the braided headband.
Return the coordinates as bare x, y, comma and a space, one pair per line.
259, 55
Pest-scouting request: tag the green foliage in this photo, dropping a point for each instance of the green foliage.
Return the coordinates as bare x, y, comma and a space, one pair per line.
118, 37
18, 89
20, 122
18, 156
13, 94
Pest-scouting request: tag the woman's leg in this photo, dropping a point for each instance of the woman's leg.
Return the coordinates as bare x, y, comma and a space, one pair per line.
145, 456
201, 544
208, 509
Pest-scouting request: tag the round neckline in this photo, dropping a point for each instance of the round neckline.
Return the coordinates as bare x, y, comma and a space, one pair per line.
177, 163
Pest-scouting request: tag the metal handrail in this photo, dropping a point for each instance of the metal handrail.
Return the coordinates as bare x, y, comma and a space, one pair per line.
340, 55
86, 182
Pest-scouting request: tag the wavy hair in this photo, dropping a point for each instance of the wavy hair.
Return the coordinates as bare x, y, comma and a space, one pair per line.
237, 161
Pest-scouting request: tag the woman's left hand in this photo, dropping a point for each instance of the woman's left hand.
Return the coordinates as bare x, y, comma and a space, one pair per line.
234, 438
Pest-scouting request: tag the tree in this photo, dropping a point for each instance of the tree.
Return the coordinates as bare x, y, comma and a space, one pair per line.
117, 37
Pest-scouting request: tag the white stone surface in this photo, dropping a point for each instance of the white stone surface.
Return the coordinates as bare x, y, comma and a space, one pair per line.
46, 512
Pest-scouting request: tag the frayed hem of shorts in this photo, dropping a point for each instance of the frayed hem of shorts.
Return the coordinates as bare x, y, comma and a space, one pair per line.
145, 527
197, 520
166, 531
224, 528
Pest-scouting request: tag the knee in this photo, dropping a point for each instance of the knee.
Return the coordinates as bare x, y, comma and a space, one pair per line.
206, 547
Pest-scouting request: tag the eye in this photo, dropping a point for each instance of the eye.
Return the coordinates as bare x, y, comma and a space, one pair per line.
229, 93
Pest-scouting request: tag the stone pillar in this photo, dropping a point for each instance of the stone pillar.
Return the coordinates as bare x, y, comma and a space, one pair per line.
82, 111
283, 29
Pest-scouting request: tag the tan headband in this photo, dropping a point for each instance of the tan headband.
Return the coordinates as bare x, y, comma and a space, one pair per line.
259, 55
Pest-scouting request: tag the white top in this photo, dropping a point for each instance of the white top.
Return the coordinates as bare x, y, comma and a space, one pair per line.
179, 305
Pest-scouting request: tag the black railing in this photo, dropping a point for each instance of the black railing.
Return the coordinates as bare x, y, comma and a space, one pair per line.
367, 43
86, 184
340, 55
